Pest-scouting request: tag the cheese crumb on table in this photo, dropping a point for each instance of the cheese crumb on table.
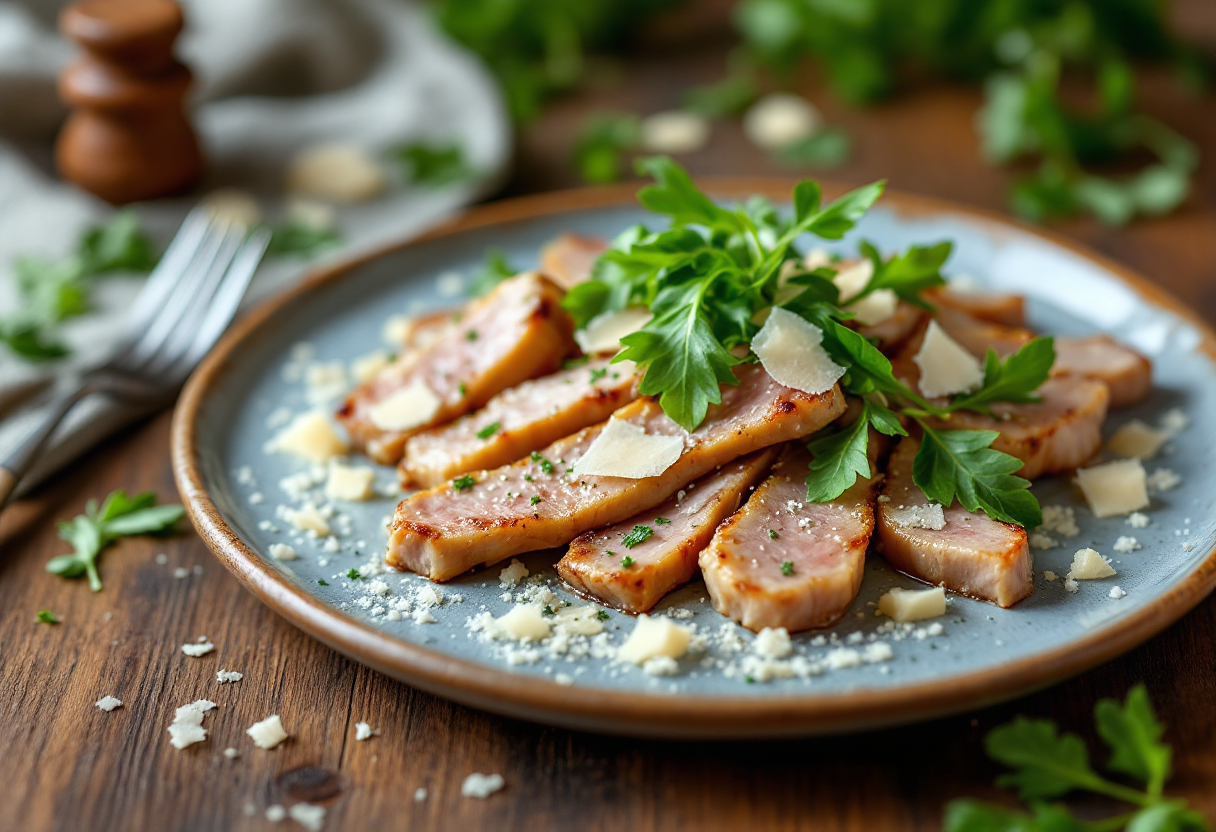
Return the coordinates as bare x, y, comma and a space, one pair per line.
268, 733
674, 131
308, 815
419, 795
109, 703
231, 753
654, 637
1114, 488
336, 172
780, 119
276, 813
225, 676
905, 605
481, 786
187, 726
364, 731
1088, 565
197, 650
1117, 593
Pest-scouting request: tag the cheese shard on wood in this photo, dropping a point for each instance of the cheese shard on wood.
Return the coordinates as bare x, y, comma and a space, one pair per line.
1114, 488
903, 605
411, 406
626, 450
310, 436
653, 637
945, 367
603, 333
1136, 440
268, 733
1088, 565
790, 349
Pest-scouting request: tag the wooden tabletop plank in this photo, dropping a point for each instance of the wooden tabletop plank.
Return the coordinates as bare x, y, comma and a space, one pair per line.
69, 766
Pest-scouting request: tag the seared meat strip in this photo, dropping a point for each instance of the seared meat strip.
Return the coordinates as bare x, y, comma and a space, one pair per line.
538, 503
568, 259
516, 332
1126, 373
993, 307
895, 330
528, 416
971, 554
1057, 434
680, 529
783, 562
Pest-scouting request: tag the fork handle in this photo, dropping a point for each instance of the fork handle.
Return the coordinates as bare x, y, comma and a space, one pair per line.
19, 462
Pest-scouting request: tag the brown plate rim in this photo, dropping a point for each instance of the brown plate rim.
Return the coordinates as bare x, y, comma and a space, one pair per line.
639, 713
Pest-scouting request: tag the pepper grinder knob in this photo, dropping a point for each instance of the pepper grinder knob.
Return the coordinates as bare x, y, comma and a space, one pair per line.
128, 137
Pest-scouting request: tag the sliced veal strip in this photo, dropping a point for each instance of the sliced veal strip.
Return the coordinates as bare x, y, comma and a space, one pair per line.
783, 562
568, 259
516, 332
538, 503
993, 307
1126, 373
971, 554
895, 330
680, 528
1057, 434
518, 421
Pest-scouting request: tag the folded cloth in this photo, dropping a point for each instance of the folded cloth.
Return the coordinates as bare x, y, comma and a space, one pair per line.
273, 78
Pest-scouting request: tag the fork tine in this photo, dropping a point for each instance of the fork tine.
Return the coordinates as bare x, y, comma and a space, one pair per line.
224, 304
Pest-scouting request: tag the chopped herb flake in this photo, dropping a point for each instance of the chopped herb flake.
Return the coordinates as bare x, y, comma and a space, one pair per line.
322, 582
489, 430
571, 363
598, 374
548, 610
658, 521
463, 390
627, 561
353, 574
471, 335
46, 617
545, 465
535, 499
772, 534
638, 534
601, 615
787, 567
463, 483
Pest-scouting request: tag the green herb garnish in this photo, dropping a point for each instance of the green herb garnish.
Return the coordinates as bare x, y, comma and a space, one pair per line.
353, 574
463, 483
46, 617
548, 610
601, 615
433, 165
471, 335
772, 534
533, 500
91, 532
545, 465
638, 534
598, 373
296, 238
322, 582
659, 521
627, 562
489, 430
787, 567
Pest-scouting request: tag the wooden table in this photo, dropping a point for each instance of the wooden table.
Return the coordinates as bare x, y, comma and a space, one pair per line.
70, 766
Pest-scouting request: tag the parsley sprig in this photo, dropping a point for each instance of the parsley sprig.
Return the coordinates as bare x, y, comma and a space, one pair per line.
1047, 764
91, 532
709, 276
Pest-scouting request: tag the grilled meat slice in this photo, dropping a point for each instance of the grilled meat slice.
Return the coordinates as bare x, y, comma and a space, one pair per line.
1126, 373
1057, 434
668, 558
993, 307
516, 332
895, 330
528, 416
568, 259
971, 554
783, 562
443, 532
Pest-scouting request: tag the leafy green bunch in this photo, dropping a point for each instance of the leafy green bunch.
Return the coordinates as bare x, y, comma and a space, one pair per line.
118, 516
52, 291
1047, 764
1021, 49
710, 276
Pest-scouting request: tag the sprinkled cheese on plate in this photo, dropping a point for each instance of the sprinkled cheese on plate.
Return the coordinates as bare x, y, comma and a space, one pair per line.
1114, 488
904, 605
349, 482
654, 637
1136, 440
945, 367
1088, 565
281, 551
311, 437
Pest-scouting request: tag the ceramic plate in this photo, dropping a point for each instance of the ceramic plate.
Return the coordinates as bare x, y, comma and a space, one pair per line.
863, 672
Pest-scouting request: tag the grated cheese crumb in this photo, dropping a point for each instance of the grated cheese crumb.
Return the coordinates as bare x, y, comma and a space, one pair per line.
187, 726
512, 573
276, 813
1163, 479
1117, 593
1138, 520
1126, 544
109, 703
197, 650
364, 731
419, 795
481, 786
930, 516
281, 551
308, 815
268, 733
225, 676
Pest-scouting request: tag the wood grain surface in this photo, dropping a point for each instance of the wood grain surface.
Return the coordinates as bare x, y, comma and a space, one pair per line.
66, 765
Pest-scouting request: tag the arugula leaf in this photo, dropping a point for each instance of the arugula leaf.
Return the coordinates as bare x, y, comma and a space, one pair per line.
1046, 763
675, 195
839, 458
838, 217
1134, 736
961, 464
303, 239
119, 516
909, 273
46, 617
1013, 380
433, 165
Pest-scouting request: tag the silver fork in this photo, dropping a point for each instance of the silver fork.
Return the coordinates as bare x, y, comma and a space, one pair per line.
189, 300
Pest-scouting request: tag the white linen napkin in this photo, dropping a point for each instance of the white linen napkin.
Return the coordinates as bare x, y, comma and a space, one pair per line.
273, 77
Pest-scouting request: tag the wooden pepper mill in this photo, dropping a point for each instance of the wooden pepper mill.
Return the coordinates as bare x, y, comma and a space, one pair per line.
128, 137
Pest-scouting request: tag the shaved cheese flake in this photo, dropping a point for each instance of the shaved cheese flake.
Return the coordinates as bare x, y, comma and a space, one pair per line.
525, 622
945, 367
310, 436
603, 333
1088, 565
1114, 488
268, 733
913, 604
410, 407
875, 307
654, 637
1136, 440
790, 349
930, 516
348, 482
307, 519
852, 280
625, 450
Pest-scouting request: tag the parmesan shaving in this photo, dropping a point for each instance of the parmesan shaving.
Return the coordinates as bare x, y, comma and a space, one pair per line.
903, 605
624, 450
930, 516
1136, 440
945, 367
412, 406
875, 307
603, 333
791, 351
1114, 488
653, 637
310, 436
347, 482
1088, 565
